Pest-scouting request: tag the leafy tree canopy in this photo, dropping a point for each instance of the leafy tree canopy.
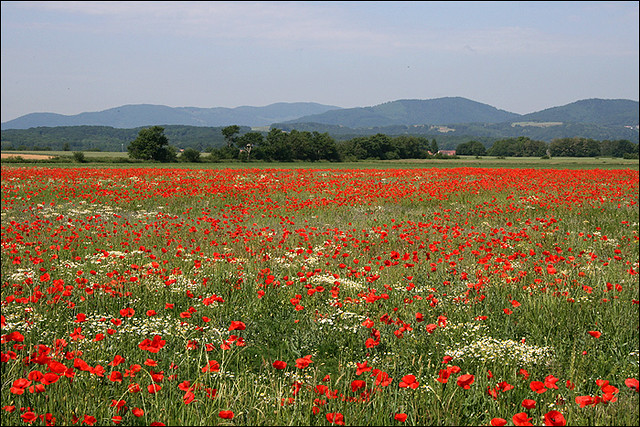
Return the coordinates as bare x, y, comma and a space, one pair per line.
152, 144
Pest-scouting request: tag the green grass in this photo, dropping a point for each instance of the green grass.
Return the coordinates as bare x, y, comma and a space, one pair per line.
277, 249
463, 161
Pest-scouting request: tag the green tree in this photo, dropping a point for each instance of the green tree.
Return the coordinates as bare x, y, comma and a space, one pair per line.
152, 144
229, 134
434, 146
624, 146
574, 147
190, 155
248, 142
471, 148
78, 156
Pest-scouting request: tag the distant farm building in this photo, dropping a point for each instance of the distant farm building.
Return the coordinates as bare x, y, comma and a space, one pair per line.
447, 152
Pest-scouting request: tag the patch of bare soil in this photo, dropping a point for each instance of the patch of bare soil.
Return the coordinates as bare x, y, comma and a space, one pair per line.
28, 156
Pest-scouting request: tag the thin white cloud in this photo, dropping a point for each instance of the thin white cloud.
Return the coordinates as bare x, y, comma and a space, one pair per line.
315, 25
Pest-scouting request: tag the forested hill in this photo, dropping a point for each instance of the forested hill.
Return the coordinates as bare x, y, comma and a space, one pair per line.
105, 138
131, 116
440, 111
608, 112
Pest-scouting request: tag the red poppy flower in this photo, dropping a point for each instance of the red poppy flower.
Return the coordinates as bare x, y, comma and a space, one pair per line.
237, 326
279, 364
498, 422
595, 334
521, 419
303, 362
537, 386
409, 381
362, 368
529, 403
583, 401
382, 378
550, 382
29, 417
116, 376
150, 362
524, 373
211, 366
188, 397
632, 383
465, 381
154, 345
505, 386
357, 385
400, 417
137, 412
127, 312
368, 323
335, 418
554, 418
227, 415
443, 376
153, 388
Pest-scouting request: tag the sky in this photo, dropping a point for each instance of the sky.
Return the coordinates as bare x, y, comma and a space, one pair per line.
73, 57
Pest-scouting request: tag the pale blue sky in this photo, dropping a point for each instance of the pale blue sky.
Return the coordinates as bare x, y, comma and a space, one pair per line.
73, 57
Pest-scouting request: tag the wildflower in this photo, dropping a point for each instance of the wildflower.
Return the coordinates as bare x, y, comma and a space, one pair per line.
632, 383
465, 381
382, 378
303, 362
554, 418
138, 412
529, 403
335, 418
154, 345
595, 334
188, 397
127, 312
550, 382
524, 373
537, 386
211, 366
29, 417
227, 415
409, 381
357, 385
583, 401
279, 364
362, 367
521, 419
400, 417
498, 422
89, 420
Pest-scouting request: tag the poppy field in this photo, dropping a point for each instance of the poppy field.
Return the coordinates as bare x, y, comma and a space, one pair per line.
462, 296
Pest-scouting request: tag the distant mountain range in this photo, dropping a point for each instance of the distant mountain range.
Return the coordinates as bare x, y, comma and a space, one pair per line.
133, 116
449, 116
452, 111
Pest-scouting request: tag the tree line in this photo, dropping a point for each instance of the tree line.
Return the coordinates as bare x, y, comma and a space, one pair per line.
278, 145
240, 143
559, 147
